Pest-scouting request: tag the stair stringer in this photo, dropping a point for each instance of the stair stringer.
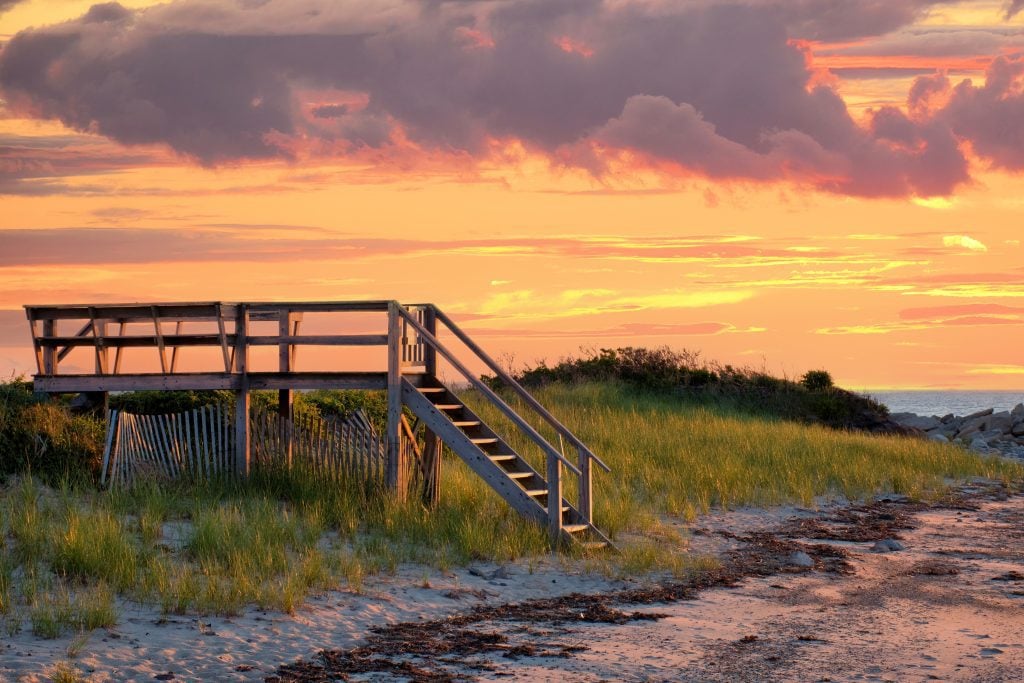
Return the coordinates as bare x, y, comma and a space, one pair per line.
472, 455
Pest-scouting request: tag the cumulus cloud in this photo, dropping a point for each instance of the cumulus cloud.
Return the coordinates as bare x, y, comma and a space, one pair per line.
991, 116
709, 88
963, 241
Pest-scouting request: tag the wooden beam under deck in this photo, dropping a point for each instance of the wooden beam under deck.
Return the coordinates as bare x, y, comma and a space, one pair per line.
200, 381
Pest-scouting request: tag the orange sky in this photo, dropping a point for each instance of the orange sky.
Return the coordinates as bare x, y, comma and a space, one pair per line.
542, 248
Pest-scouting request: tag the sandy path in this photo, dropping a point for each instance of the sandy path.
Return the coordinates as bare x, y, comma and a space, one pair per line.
948, 607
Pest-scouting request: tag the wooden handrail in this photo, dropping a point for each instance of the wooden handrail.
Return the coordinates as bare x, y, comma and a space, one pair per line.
480, 386
518, 389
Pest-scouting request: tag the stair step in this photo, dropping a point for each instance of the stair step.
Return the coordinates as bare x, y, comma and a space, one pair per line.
504, 457
432, 390
536, 492
519, 475
467, 423
448, 406
484, 440
574, 528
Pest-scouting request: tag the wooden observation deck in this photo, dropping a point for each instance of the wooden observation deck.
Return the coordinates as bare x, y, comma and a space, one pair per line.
409, 375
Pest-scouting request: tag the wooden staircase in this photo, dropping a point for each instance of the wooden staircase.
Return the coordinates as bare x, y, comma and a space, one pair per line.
535, 495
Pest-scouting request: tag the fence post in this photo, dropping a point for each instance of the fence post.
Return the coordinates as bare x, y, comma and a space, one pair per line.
586, 501
242, 441
50, 352
555, 499
396, 472
285, 397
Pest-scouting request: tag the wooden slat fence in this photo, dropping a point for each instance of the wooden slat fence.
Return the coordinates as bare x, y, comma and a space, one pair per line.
200, 444
349, 448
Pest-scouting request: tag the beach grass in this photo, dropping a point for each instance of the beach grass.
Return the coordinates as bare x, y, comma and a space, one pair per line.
70, 552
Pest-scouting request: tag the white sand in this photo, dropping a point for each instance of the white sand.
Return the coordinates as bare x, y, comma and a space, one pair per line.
887, 621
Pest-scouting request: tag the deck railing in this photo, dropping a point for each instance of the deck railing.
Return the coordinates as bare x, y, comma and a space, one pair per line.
555, 459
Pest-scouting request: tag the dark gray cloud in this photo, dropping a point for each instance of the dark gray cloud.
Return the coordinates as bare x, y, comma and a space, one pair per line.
717, 88
7, 4
833, 20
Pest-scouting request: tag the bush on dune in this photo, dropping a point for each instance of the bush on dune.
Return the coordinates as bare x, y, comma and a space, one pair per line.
43, 437
813, 398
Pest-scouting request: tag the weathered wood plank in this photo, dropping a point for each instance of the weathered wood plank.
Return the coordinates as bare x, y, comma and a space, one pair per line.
50, 360
242, 399
111, 429
209, 381
393, 434
320, 340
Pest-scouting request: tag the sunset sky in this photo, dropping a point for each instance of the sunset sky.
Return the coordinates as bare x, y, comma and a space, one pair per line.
789, 184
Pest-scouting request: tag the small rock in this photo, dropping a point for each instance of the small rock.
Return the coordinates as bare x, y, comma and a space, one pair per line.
800, 559
917, 421
979, 445
501, 572
169, 676
999, 421
889, 545
941, 438
980, 413
1018, 429
946, 419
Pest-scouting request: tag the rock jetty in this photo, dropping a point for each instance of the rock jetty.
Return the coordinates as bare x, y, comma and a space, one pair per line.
985, 431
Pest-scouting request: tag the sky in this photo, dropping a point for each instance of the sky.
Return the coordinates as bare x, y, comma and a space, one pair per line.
782, 185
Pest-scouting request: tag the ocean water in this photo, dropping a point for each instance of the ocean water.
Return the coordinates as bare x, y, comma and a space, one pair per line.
944, 402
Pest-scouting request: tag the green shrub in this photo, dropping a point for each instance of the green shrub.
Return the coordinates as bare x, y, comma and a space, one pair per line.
683, 373
817, 380
42, 436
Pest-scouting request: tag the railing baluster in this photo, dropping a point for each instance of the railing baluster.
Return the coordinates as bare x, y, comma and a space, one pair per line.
586, 498
555, 497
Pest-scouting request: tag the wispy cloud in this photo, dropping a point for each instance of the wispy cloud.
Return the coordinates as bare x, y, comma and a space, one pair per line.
964, 242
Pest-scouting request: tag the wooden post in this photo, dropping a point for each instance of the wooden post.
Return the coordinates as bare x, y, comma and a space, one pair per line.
285, 397
396, 471
100, 400
431, 468
586, 501
242, 445
50, 352
429, 352
555, 499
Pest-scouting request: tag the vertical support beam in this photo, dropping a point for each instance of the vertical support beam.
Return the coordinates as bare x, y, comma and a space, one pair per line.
397, 470
158, 329
586, 501
431, 469
429, 352
228, 361
242, 444
99, 333
555, 499
122, 326
50, 352
285, 397
178, 328
34, 326
100, 400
